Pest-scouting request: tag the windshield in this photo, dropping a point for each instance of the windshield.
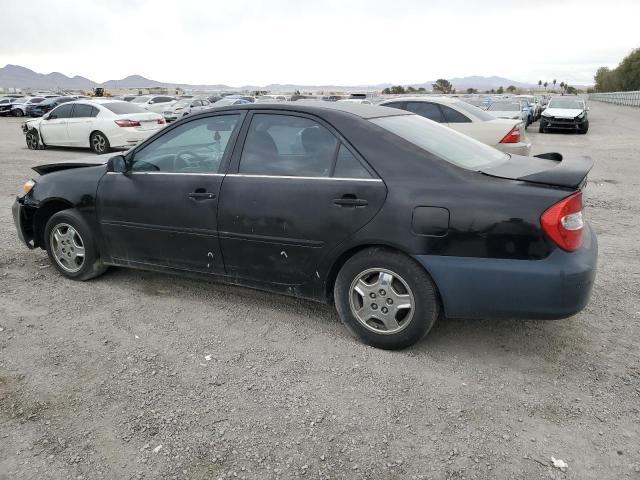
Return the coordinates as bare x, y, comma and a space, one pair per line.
571, 103
504, 107
142, 99
475, 111
442, 141
182, 103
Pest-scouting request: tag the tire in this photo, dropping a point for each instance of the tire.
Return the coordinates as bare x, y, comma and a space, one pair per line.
542, 128
18, 113
365, 277
33, 139
65, 234
585, 129
99, 143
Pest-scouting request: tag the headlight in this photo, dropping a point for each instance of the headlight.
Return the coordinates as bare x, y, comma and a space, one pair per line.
28, 186
581, 115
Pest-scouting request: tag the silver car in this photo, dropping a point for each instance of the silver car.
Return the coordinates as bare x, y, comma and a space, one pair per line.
515, 109
185, 107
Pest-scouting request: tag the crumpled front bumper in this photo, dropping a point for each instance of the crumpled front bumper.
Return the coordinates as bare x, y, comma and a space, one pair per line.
23, 220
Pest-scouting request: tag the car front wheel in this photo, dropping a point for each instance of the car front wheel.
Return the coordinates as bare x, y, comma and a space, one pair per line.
99, 143
386, 299
71, 246
18, 113
33, 140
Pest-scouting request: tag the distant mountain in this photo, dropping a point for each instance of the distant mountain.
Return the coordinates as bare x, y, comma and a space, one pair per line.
15, 76
481, 83
21, 77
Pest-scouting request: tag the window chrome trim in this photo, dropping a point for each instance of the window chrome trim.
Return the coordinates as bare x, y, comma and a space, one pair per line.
241, 175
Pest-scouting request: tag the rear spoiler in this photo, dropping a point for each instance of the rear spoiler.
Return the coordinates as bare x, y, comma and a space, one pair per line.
546, 168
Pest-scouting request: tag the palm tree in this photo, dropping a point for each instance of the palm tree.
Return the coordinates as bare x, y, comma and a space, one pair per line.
562, 86
554, 83
539, 83
545, 85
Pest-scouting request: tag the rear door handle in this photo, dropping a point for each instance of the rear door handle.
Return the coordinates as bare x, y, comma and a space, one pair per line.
350, 201
200, 196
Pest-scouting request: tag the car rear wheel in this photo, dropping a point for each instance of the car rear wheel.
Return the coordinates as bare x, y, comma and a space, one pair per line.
71, 246
33, 140
99, 143
18, 113
385, 298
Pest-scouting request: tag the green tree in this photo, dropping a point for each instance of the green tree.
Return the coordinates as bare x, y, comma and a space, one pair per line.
545, 85
571, 90
398, 90
500, 91
472, 90
511, 88
625, 77
442, 85
422, 90
411, 90
554, 83
539, 83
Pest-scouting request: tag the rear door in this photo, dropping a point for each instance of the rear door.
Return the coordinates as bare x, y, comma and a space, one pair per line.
53, 129
295, 191
80, 124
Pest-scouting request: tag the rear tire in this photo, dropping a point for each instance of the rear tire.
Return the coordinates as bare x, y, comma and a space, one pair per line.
99, 143
71, 246
385, 298
18, 113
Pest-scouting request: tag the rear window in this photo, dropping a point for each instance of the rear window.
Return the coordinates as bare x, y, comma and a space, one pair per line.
475, 111
504, 107
442, 141
123, 108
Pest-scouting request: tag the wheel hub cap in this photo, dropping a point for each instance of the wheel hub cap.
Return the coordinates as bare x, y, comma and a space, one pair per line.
381, 301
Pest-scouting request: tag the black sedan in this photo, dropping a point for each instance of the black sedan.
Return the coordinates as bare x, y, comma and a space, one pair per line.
39, 109
393, 217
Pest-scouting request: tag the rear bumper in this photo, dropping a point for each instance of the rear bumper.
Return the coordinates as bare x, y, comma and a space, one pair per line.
556, 287
128, 137
520, 148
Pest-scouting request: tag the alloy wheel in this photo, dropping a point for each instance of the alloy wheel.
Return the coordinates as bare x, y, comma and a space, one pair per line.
99, 143
67, 247
381, 301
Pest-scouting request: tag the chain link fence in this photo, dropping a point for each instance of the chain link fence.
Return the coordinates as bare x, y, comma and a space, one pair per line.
628, 99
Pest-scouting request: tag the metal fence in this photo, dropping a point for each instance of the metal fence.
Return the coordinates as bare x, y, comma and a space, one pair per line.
628, 99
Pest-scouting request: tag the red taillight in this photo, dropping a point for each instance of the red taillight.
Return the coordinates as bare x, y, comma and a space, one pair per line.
513, 136
127, 123
564, 224
162, 121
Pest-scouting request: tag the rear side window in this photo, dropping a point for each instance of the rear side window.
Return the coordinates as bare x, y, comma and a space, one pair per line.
348, 166
63, 111
285, 145
427, 110
454, 116
123, 108
84, 111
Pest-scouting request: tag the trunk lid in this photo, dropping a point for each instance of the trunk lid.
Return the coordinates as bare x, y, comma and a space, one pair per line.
547, 168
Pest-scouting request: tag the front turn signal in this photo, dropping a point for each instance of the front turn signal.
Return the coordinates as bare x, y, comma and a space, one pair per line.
28, 186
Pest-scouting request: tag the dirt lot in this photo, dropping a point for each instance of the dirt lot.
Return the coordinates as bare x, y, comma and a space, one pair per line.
140, 375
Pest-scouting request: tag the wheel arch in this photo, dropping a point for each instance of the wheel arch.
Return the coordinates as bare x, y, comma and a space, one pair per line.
338, 263
42, 216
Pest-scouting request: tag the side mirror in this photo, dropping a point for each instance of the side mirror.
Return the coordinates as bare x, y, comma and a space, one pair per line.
117, 164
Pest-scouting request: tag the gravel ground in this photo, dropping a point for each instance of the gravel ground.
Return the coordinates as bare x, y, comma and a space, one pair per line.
141, 375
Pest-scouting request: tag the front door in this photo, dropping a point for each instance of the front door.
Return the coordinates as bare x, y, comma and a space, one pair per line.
53, 129
81, 124
163, 211
296, 192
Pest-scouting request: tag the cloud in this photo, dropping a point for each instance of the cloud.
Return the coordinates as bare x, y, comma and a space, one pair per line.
331, 42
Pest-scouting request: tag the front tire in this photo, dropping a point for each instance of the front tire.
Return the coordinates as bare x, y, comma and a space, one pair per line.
585, 128
71, 246
33, 139
385, 298
18, 113
99, 143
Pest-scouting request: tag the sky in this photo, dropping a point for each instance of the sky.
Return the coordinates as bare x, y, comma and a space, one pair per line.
315, 42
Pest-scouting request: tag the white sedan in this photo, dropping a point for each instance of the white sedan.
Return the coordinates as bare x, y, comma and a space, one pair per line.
506, 135
154, 103
98, 124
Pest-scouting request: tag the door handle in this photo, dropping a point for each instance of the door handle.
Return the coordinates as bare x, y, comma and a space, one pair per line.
200, 196
350, 201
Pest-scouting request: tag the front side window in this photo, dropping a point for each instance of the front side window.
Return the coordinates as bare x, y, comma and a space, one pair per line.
446, 143
285, 145
427, 110
193, 147
63, 111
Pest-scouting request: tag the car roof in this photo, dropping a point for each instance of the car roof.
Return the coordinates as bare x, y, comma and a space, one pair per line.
319, 107
431, 98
